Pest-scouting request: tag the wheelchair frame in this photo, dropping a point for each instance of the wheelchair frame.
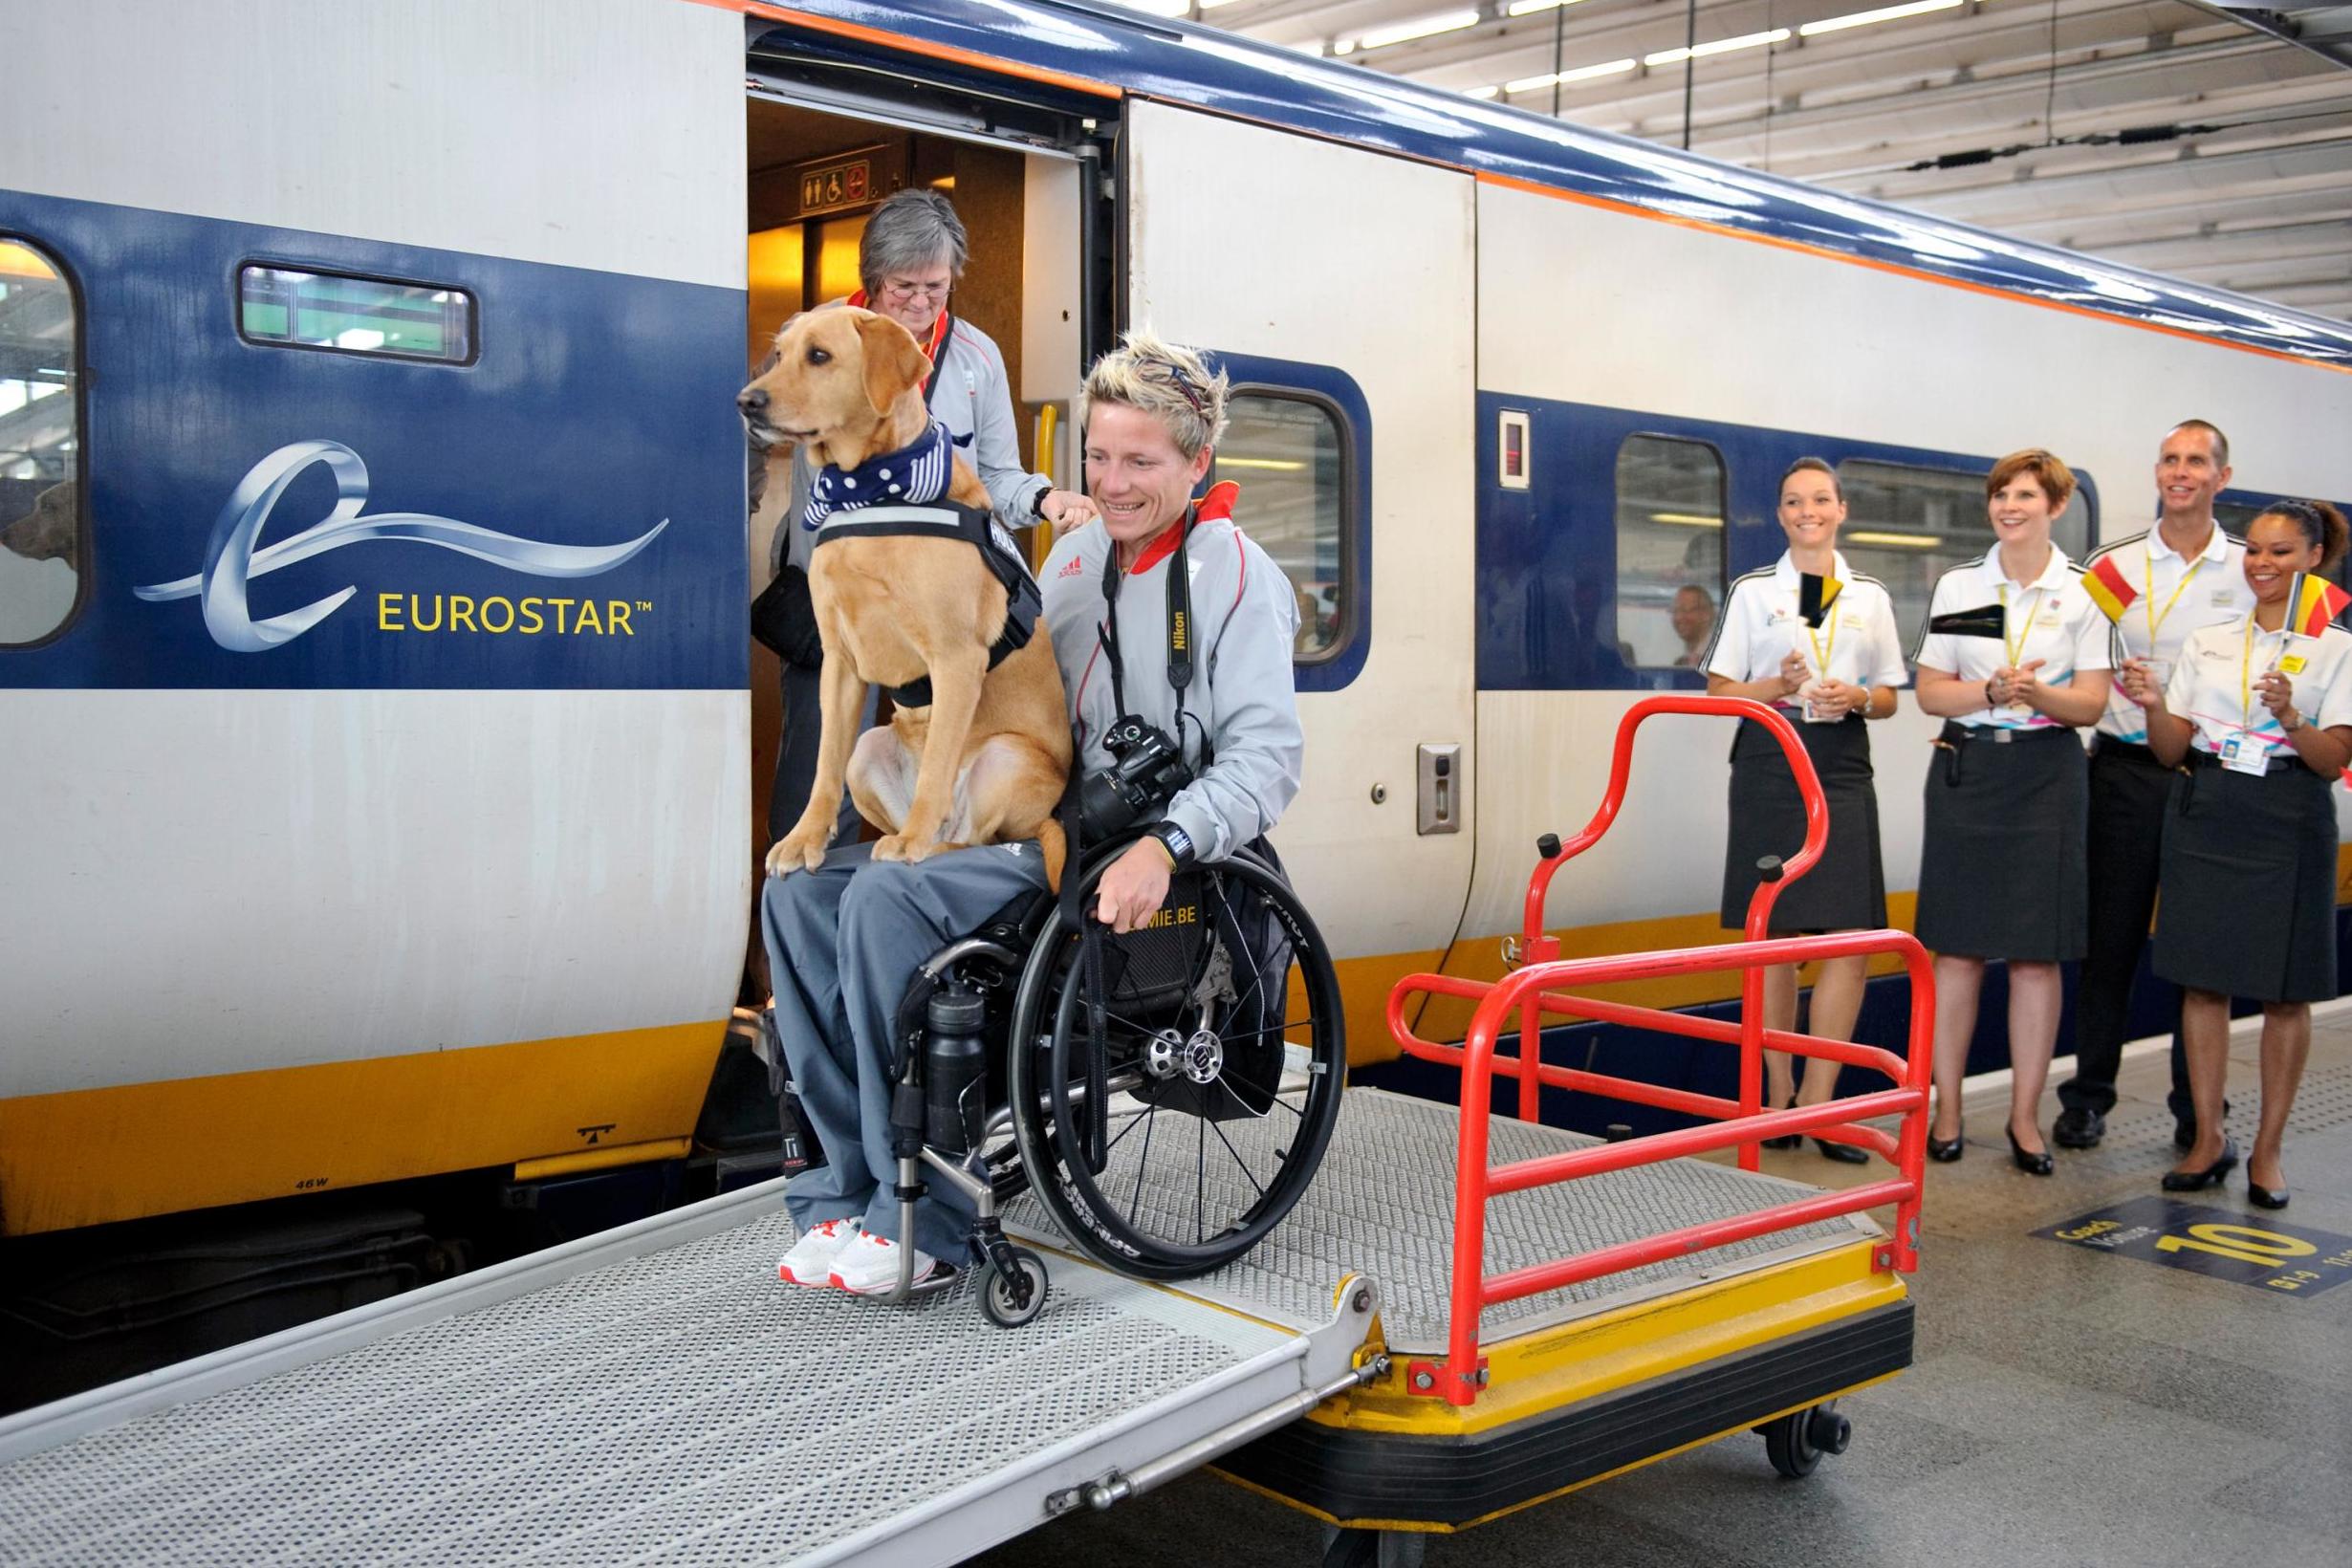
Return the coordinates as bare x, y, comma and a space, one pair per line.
1014, 1282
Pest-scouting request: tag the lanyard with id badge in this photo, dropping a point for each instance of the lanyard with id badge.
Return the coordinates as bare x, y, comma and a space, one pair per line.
2245, 753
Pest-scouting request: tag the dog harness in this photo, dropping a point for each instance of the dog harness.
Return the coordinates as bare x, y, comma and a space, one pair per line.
944, 519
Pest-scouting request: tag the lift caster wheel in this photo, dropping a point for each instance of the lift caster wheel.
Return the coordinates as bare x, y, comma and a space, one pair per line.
1344, 1548
1796, 1442
1001, 1297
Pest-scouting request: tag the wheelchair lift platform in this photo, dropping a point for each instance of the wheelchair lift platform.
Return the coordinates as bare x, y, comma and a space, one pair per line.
656, 1395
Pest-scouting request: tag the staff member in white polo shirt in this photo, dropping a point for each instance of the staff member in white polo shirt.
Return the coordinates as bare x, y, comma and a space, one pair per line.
2263, 715
2183, 574
2015, 661
1830, 669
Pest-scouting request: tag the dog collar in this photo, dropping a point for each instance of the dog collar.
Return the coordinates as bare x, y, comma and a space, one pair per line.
914, 475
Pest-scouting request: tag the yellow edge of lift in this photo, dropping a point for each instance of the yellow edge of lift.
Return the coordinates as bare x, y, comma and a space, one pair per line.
1542, 1372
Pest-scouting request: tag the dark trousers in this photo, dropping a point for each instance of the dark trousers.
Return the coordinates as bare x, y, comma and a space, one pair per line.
2128, 792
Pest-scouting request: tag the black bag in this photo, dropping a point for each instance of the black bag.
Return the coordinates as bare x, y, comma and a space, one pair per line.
784, 617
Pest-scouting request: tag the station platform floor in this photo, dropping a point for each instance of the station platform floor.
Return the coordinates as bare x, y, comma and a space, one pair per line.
2069, 1405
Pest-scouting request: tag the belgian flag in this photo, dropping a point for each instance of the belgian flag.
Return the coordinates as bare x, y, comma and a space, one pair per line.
2313, 603
2105, 583
1816, 593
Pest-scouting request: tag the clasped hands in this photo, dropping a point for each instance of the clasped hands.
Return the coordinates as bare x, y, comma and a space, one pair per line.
1827, 698
2017, 685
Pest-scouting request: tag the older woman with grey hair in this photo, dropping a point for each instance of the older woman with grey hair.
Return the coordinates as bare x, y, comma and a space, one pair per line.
910, 258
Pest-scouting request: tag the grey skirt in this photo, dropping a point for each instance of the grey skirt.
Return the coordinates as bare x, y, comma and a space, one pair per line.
2248, 901
1846, 891
2002, 864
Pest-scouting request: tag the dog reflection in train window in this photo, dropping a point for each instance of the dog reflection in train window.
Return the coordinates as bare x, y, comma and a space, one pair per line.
936, 606
47, 531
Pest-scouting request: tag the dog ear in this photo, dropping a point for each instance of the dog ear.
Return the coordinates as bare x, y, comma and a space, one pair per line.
893, 360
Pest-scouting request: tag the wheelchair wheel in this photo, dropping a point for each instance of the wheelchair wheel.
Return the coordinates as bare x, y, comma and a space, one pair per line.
1224, 1056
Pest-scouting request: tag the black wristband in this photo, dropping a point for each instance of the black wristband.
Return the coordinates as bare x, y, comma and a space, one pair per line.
1176, 842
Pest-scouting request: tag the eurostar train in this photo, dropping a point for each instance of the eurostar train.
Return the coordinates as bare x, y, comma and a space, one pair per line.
379, 732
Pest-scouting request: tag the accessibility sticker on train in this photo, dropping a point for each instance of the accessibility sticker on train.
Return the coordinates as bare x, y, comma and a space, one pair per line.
2254, 1249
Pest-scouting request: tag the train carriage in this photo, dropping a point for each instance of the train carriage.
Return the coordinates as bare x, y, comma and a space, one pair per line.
377, 731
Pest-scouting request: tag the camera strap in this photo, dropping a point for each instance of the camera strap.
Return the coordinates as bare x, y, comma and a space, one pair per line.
1179, 619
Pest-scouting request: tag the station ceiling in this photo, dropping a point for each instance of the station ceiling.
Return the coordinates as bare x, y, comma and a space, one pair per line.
2211, 143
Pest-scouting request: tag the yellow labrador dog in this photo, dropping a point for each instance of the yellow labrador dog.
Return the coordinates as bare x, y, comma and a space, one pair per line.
985, 761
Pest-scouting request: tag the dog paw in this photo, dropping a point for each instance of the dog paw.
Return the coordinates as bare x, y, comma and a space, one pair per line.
796, 852
903, 846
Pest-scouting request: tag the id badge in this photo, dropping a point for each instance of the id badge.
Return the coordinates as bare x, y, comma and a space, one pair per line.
2241, 755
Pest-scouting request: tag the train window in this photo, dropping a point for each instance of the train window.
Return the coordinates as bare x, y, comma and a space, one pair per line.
40, 441
1288, 454
1670, 553
1906, 525
289, 308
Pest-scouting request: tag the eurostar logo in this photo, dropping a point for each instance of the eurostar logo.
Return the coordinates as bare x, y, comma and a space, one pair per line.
232, 560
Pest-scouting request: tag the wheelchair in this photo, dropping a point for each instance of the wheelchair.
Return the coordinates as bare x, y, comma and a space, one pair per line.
1166, 1095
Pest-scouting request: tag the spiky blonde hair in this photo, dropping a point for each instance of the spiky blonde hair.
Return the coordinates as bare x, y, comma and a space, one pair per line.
1167, 381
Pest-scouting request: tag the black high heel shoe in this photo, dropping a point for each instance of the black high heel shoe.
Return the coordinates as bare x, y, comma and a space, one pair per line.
1946, 1151
1845, 1154
2198, 1181
2264, 1197
2032, 1165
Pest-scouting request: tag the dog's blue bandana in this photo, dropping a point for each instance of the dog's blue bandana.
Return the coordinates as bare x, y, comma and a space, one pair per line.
913, 476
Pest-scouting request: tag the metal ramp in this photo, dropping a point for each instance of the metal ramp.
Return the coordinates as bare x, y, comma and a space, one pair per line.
654, 1395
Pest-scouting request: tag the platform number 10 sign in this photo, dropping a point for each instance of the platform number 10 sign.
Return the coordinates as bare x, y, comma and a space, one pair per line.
2297, 1260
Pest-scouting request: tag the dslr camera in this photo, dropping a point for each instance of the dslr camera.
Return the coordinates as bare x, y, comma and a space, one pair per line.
1146, 771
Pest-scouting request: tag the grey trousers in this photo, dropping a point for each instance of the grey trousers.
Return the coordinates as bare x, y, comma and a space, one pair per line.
843, 942
795, 758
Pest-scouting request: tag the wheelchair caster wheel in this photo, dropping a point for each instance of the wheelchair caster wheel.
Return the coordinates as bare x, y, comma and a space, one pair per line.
1796, 1442
1009, 1302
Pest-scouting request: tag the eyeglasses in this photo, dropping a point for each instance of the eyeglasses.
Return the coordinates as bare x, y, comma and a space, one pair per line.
900, 291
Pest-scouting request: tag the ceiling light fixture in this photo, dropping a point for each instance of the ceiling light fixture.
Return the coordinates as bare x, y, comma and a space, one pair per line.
1405, 32
1582, 72
1864, 18
1486, 92
1529, 7
1171, 9
1898, 541
1721, 45
1687, 519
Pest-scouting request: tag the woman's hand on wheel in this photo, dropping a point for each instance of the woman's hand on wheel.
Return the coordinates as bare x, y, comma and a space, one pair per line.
1134, 887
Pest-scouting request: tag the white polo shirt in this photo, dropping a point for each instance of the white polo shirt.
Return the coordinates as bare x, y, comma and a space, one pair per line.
2213, 684
2177, 595
2050, 618
1857, 641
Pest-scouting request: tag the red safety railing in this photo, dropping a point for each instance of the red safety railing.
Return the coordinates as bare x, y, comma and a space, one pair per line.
1534, 992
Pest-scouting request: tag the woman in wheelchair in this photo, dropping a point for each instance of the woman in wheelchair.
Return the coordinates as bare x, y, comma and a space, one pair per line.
1163, 1050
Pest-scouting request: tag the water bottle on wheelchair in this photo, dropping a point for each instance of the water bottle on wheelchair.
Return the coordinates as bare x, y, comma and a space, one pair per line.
1161, 1098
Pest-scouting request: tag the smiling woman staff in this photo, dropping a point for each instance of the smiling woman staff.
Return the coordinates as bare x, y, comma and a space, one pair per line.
2014, 660
1812, 638
2261, 709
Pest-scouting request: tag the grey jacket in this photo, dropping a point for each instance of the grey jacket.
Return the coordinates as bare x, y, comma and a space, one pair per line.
973, 398
1242, 696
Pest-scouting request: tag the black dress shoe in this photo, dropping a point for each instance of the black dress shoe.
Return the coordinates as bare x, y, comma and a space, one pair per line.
1845, 1154
2032, 1165
2264, 1197
1794, 1141
1946, 1151
2198, 1181
2078, 1128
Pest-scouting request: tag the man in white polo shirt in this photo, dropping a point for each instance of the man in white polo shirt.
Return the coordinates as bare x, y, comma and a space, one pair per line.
2186, 573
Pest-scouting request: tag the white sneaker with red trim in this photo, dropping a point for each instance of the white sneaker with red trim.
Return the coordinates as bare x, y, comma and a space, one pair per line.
869, 1266
810, 1260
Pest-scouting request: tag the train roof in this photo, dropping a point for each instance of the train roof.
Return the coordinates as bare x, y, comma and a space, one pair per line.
1082, 49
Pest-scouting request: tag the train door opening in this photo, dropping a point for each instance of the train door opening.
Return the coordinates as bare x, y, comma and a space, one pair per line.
820, 163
